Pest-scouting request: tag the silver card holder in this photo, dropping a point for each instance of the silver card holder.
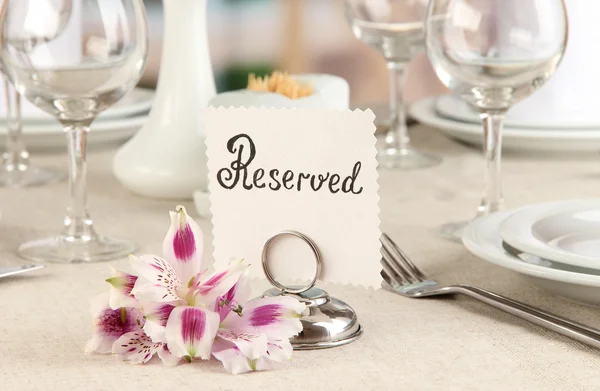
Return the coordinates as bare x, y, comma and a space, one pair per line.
327, 322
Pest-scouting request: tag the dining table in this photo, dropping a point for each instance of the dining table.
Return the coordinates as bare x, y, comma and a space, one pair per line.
408, 344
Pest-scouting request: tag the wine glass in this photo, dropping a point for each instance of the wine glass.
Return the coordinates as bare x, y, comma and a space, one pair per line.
493, 54
16, 170
107, 61
395, 29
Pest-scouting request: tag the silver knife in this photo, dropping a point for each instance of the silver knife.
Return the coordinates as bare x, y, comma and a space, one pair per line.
11, 271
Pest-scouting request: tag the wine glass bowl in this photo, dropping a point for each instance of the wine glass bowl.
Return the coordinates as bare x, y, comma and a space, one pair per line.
16, 170
75, 86
397, 33
395, 29
493, 54
89, 80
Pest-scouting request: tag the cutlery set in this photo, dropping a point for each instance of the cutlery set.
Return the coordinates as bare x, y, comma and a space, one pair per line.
401, 276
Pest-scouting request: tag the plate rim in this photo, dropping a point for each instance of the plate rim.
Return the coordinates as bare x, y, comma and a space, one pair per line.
509, 122
54, 129
423, 106
521, 222
112, 113
504, 260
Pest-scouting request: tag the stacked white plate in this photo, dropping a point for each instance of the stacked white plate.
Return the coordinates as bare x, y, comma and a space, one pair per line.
556, 244
117, 124
456, 119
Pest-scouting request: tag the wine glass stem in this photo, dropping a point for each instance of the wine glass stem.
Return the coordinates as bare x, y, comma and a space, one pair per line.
397, 136
78, 224
492, 149
16, 157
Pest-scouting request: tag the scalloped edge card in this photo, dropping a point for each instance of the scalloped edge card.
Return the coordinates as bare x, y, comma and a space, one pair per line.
308, 170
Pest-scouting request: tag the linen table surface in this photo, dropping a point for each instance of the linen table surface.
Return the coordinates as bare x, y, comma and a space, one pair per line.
455, 344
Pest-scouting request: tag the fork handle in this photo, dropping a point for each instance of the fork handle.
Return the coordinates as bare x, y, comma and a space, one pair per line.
568, 328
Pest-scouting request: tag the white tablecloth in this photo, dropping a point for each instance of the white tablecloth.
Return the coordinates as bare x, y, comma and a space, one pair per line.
407, 345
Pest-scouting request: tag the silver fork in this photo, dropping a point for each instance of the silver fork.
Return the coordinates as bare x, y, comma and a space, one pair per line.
401, 276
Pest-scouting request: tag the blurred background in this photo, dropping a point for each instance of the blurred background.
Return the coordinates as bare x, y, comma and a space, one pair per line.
298, 36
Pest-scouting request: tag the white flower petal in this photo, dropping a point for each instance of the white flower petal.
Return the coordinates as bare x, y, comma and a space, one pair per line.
99, 343
158, 282
157, 315
155, 331
110, 325
135, 347
218, 284
183, 246
168, 358
231, 357
99, 303
276, 317
235, 362
191, 332
265, 364
121, 285
250, 345
280, 350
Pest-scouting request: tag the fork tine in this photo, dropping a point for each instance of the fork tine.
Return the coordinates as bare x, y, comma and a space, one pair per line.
400, 254
389, 270
398, 265
395, 269
389, 282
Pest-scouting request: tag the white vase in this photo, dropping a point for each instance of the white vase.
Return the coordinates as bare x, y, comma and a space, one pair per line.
167, 157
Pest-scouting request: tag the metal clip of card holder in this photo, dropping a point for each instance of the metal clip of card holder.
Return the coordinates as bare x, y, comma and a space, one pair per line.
327, 321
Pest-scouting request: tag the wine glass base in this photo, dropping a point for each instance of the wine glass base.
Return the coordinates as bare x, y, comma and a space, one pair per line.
406, 159
66, 249
32, 176
453, 231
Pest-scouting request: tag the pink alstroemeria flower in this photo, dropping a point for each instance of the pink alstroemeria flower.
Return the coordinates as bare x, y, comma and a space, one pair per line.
173, 309
119, 331
110, 324
175, 295
255, 335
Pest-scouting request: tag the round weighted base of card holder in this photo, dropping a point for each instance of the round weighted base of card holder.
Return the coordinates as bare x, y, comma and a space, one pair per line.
327, 321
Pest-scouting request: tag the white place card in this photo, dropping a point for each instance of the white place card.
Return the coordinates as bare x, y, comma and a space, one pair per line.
307, 170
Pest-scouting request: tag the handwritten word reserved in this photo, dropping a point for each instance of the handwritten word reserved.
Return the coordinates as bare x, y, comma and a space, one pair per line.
238, 173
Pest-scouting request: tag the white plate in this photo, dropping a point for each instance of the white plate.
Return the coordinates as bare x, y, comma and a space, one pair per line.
481, 237
566, 232
516, 139
137, 101
51, 136
452, 107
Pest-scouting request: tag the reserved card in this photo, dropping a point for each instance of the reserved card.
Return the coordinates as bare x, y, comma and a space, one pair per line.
311, 171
